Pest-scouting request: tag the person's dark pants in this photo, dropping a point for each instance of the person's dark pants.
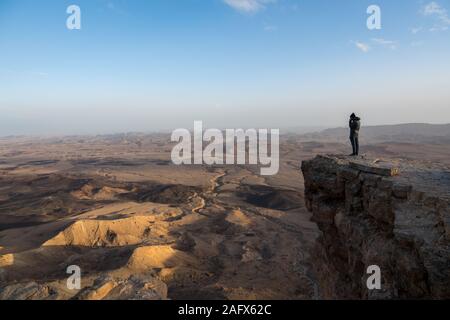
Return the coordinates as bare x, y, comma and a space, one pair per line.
354, 139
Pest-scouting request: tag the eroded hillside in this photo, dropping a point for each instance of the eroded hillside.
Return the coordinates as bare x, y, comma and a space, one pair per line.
142, 228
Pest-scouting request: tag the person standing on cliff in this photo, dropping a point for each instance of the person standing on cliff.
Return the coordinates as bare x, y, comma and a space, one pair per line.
355, 125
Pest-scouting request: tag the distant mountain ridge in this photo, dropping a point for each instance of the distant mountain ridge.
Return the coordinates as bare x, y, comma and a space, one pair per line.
409, 132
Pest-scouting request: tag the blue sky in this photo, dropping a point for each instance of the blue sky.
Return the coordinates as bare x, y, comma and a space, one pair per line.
142, 65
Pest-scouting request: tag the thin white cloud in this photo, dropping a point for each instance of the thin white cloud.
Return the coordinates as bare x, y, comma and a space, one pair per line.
385, 43
438, 28
362, 46
433, 8
248, 6
416, 30
375, 43
439, 13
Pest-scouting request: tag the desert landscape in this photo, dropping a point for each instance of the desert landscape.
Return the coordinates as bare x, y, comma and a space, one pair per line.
198, 153
140, 227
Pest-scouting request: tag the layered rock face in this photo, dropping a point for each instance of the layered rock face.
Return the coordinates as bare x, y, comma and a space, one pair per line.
395, 215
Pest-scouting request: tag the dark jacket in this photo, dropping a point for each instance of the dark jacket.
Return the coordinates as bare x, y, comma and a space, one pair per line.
355, 125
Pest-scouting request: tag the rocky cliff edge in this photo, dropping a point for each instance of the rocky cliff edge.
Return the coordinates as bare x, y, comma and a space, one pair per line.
391, 214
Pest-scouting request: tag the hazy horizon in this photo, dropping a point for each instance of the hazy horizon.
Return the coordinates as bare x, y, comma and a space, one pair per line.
283, 130
151, 66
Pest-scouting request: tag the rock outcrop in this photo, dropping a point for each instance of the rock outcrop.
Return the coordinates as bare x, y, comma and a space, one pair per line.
104, 287
394, 215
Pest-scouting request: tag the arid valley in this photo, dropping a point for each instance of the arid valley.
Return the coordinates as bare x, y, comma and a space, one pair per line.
140, 227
